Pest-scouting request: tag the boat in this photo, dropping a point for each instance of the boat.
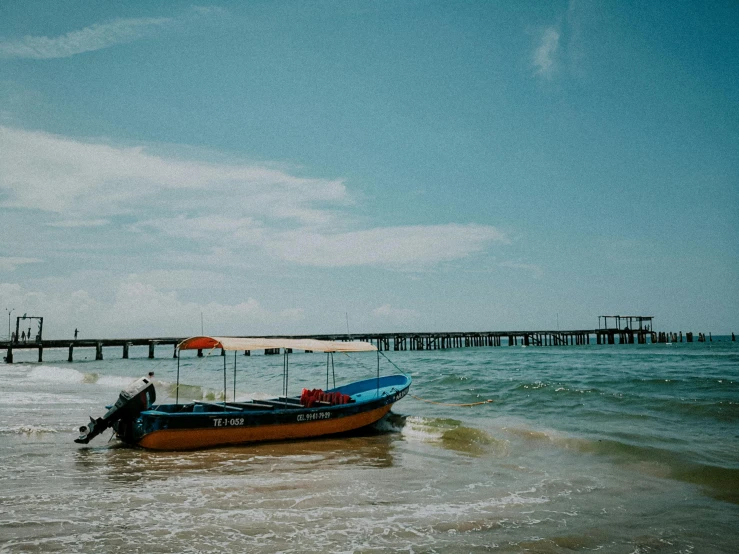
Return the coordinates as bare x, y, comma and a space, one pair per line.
193, 425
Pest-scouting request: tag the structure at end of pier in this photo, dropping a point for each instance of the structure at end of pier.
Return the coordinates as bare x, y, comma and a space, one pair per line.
629, 328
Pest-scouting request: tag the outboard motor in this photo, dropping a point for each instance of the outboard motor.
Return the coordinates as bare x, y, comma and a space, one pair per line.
133, 400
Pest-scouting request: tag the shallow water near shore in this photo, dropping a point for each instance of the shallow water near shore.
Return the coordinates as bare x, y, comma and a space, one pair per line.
621, 448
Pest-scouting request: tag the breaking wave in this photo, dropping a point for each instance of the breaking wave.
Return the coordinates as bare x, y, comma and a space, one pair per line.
447, 433
56, 374
717, 481
27, 430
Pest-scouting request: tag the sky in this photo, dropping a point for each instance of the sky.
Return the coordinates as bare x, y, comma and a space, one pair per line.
284, 167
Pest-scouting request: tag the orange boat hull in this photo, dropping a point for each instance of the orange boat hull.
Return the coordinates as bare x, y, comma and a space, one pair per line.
191, 439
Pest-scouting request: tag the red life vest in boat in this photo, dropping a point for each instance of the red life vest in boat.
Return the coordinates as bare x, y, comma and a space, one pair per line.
309, 398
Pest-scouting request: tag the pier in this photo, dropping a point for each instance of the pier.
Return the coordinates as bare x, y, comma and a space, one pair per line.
97, 344
392, 341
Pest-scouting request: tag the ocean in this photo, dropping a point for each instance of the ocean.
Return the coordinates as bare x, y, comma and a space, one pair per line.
613, 448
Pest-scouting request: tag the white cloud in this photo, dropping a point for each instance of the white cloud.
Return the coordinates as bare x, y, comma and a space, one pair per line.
142, 308
561, 47
86, 180
10, 291
176, 279
579, 15
395, 246
535, 270
206, 226
56, 309
147, 305
545, 55
408, 246
9, 263
94, 37
398, 246
208, 10
76, 223
387, 314
146, 308
276, 214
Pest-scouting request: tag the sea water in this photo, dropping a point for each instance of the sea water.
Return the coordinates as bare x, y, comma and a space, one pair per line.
613, 448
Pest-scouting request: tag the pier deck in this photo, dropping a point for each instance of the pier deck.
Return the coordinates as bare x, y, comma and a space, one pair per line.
387, 341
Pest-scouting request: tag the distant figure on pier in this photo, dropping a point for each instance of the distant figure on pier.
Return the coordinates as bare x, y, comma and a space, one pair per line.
75, 333
13, 338
23, 336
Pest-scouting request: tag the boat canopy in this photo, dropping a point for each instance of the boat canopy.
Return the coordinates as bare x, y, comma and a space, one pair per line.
245, 343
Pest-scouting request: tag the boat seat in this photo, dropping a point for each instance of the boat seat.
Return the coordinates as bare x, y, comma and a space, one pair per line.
281, 404
206, 407
289, 400
200, 407
249, 406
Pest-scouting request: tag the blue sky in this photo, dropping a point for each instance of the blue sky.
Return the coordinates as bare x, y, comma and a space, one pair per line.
291, 167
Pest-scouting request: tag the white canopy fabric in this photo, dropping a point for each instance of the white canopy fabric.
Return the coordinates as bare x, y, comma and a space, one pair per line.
244, 343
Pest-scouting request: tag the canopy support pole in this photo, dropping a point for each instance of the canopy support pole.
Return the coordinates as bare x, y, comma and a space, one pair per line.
378, 372
177, 388
224, 381
234, 376
285, 373
330, 356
